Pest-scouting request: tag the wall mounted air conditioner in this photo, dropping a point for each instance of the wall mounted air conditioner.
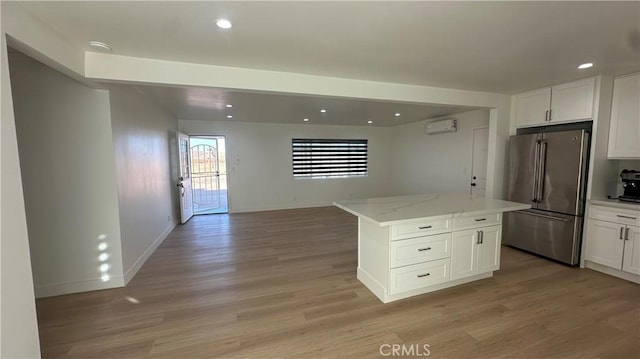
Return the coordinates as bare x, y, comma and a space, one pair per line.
441, 126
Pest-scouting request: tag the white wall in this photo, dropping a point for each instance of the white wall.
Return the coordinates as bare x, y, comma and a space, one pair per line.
434, 163
68, 176
143, 138
18, 324
259, 164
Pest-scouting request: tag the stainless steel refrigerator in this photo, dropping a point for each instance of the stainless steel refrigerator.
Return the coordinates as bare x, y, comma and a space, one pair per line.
548, 170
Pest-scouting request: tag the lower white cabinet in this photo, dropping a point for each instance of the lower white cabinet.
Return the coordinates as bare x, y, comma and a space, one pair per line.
475, 251
403, 260
613, 241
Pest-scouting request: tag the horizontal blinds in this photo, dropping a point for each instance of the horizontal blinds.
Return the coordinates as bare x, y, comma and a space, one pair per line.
317, 158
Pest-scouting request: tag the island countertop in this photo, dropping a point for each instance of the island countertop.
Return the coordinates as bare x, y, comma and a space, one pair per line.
402, 209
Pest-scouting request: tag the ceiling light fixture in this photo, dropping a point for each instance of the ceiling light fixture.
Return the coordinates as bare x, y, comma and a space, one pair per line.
369, 121
306, 120
229, 106
229, 116
323, 110
586, 65
223, 23
100, 46
397, 114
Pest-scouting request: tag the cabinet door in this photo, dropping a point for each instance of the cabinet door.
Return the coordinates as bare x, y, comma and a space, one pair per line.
464, 246
605, 243
631, 260
532, 107
489, 249
572, 101
624, 131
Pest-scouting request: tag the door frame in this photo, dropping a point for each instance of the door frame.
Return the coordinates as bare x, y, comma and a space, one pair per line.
473, 143
227, 174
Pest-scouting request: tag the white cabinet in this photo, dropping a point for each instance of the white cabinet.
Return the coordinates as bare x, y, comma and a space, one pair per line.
414, 257
624, 131
631, 258
605, 243
613, 241
569, 102
533, 107
475, 251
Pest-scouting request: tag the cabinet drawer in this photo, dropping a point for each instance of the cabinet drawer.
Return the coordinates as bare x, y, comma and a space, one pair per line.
418, 276
433, 225
616, 215
421, 249
468, 222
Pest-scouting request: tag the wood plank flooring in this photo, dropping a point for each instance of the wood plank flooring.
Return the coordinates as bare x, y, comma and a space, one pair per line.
283, 284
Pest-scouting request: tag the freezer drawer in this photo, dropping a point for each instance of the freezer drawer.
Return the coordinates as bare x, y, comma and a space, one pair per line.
551, 235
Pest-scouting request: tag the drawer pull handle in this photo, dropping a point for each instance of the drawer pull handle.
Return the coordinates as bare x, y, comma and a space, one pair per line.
424, 227
423, 275
480, 219
627, 217
424, 249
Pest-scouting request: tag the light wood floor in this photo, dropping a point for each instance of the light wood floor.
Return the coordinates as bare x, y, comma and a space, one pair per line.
282, 284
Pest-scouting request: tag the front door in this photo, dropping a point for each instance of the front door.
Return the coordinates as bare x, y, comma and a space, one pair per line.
184, 181
479, 161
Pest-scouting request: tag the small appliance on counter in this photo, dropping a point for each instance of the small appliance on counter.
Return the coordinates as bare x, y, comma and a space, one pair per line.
631, 183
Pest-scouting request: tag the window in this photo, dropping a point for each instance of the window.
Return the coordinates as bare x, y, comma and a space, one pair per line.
316, 158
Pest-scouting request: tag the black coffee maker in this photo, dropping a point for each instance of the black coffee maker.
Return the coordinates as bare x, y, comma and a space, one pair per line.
631, 183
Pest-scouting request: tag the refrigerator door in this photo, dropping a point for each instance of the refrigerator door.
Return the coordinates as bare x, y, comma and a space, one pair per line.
523, 166
561, 176
551, 235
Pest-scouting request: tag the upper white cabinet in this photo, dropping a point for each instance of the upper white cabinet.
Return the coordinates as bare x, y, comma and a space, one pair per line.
563, 103
533, 107
624, 133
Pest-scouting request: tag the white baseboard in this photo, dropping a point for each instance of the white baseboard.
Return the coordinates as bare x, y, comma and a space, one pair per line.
614, 272
55, 289
129, 273
233, 209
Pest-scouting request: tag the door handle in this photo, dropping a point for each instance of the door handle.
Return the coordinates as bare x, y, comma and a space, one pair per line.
543, 165
626, 234
621, 230
536, 164
481, 237
544, 216
477, 237
473, 184
546, 116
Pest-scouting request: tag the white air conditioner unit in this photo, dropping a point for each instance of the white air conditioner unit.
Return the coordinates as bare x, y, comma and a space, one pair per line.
441, 126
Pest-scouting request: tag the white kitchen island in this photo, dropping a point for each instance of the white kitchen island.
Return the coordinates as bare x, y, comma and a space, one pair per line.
411, 245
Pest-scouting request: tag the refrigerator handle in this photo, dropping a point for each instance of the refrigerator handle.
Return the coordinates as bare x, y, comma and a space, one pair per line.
536, 165
541, 171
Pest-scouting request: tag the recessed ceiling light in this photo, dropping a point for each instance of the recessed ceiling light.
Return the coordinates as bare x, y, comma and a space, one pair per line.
585, 66
223, 23
229, 105
306, 120
369, 121
323, 110
397, 114
100, 46
229, 116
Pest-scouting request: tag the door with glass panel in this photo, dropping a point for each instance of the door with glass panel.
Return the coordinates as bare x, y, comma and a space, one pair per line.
209, 175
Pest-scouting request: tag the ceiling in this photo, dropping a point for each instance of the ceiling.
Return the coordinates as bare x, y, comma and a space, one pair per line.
210, 104
504, 47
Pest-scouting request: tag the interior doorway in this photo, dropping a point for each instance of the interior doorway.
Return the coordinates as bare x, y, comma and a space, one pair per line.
209, 175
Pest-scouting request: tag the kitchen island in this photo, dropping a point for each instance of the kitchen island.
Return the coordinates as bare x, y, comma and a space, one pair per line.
411, 245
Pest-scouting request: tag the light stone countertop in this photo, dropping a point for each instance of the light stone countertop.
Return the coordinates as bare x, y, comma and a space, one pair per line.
616, 204
396, 210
